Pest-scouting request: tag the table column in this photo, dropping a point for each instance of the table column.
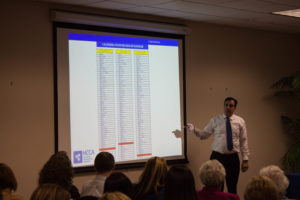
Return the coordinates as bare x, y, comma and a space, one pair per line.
143, 107
125, 104
106, 100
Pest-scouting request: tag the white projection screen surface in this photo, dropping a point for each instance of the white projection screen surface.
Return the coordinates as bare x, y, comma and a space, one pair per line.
119, 92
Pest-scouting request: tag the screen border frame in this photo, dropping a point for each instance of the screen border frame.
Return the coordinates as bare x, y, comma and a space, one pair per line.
57, 25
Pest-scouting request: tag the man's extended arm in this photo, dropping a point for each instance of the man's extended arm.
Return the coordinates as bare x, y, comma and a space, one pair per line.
208, 130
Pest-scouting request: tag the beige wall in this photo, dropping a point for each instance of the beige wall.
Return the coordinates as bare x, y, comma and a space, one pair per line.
220, 61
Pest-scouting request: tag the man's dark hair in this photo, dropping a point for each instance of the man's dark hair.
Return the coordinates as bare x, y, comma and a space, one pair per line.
231, 98
104, 162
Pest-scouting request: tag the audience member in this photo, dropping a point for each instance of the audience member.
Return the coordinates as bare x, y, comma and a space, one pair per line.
278, 177
104, 164
114, 196
152, 180
50, 192
261, 188
180, 184
212, 175
58, 170
118, 182
8, 184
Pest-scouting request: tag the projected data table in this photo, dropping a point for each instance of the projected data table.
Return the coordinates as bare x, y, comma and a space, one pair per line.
124, 103
124, 97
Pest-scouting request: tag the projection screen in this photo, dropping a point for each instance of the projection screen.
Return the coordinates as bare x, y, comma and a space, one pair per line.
121, 92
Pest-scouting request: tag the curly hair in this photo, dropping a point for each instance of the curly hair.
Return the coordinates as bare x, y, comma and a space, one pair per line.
57, 170
261, 188
152, 178
212, 173
277, 176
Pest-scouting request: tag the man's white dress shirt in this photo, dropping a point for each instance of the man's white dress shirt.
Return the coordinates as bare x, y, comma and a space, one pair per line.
217, 127
94, 187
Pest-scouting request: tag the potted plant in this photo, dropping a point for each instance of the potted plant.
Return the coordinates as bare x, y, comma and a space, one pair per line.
290, 87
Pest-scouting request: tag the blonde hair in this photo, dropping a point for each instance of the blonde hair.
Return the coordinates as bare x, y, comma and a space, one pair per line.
261, 188
114, 196
153, 177
50, 192
212, 173
277, 176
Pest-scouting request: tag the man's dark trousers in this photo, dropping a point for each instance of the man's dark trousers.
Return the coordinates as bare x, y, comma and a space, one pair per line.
231, 163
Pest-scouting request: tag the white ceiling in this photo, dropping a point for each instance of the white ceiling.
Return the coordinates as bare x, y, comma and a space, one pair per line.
242, 13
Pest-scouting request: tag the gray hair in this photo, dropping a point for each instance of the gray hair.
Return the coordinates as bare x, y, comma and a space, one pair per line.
212, 173
277, 176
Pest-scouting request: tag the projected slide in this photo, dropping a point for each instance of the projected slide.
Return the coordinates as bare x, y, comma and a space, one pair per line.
124, 98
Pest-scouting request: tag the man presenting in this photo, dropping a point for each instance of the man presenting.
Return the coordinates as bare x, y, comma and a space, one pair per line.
230, 138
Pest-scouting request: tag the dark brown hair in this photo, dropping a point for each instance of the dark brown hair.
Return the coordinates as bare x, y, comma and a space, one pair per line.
7, 178
118, 182
57, 170
180, 184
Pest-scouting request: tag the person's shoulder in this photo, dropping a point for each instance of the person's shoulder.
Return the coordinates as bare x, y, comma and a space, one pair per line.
228, 196
100, 178
218, 117
236, 117
87, 183
231, 196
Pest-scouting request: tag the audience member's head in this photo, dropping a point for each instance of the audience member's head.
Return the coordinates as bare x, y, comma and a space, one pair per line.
114, 196
277, 176
8, 183
50, 192
180, 184
212, 174
261, 188
57, 170
152, 178
104, 162
7, 178
118, 182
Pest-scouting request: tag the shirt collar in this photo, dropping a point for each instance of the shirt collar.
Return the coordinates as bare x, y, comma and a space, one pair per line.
232, 116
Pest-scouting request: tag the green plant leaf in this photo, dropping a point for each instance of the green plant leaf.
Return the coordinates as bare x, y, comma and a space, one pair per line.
290, 87
296, 81
291, 127
291, 160
286, 93
285, 82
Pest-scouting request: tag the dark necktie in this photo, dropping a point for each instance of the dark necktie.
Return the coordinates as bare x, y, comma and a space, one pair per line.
229, 134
